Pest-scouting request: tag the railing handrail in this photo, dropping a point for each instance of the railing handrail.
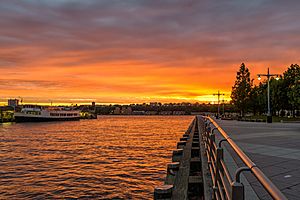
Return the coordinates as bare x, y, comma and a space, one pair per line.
261, 177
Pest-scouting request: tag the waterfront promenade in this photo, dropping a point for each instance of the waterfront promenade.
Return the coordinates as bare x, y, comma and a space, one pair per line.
274, 148
215, 152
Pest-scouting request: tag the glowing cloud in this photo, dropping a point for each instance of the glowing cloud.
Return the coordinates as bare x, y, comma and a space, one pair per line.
110, 51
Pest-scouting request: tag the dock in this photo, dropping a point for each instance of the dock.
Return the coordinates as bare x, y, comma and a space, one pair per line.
234, 160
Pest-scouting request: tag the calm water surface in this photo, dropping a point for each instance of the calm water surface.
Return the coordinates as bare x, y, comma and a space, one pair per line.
113, 157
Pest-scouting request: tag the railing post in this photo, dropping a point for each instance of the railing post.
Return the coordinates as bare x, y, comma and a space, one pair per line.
237, 191
163, 192
207, 129
219, 153
177, 155
212, 139
206, 135
237, 188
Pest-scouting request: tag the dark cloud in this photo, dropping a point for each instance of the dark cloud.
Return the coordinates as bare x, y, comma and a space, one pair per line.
167, 34
159, 30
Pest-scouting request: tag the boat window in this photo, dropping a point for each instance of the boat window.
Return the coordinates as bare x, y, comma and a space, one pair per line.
33, 113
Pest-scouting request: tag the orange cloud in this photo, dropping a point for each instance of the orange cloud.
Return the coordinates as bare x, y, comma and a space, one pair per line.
139, 51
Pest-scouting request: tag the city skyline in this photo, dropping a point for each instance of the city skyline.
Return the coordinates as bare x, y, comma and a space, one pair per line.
125, 52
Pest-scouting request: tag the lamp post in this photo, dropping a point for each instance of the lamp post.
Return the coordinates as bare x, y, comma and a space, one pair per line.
218, 94
223, 107
268, 75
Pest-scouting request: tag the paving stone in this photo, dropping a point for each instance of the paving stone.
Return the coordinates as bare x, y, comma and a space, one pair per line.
292, 197
266, 197
289, 197
273, 170
291, 165
294, 190
275, 150
264, 161
260, 191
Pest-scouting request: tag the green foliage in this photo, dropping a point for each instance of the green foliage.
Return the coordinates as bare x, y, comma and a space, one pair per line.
241, 90
292, 81
258, 99
284, 93
277, 95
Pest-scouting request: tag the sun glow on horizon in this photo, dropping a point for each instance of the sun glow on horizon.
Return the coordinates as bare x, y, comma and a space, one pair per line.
161, 99
101, 51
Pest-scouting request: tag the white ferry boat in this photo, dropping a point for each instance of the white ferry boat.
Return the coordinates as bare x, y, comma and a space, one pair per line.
33, 113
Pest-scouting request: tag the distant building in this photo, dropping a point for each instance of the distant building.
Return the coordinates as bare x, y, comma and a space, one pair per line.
126, 110
178, 112
151, 113
185, 104
129, 110
93, 104
117, 111
136, 112
155, 104
197, 113
165, 112
13, 102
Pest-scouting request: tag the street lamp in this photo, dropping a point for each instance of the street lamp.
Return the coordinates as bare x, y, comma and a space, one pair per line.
218, 94
268, 75
259, 78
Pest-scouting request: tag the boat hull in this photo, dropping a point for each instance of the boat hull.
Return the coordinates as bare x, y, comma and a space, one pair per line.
44, 119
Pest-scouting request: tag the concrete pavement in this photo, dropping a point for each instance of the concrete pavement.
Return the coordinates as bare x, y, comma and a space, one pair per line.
274, 148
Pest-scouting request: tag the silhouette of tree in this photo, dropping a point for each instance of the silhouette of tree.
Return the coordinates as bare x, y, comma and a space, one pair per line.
291, 83
240, 93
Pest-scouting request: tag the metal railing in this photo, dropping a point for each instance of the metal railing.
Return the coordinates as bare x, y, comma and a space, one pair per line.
226, 187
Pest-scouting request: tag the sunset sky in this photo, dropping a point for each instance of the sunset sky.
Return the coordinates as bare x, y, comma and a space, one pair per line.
133, 51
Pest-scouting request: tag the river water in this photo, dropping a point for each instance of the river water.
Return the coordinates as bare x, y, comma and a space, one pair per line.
113, 157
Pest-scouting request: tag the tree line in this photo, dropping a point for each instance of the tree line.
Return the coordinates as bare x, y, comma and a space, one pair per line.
213, 108
284, 93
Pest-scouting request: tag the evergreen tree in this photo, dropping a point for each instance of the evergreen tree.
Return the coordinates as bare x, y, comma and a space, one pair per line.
240, 93
277, 95
291, 83
258, 99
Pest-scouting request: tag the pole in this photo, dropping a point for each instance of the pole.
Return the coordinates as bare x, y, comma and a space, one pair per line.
269, 110
269, 116
1, 115
218, 114
223, 106
268, 75
218, 103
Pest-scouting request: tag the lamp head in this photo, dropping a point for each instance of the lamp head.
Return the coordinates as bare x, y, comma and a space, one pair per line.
277, 78
259, 78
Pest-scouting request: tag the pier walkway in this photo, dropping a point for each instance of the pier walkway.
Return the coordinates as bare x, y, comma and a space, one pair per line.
234, 160
274, 148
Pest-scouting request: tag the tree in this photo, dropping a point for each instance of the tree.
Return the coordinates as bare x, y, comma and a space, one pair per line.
294, 96
258, 98
240, 93
277, 94
253, 104
291, 85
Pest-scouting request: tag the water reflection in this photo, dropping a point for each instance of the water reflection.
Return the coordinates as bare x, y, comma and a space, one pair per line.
112, 157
